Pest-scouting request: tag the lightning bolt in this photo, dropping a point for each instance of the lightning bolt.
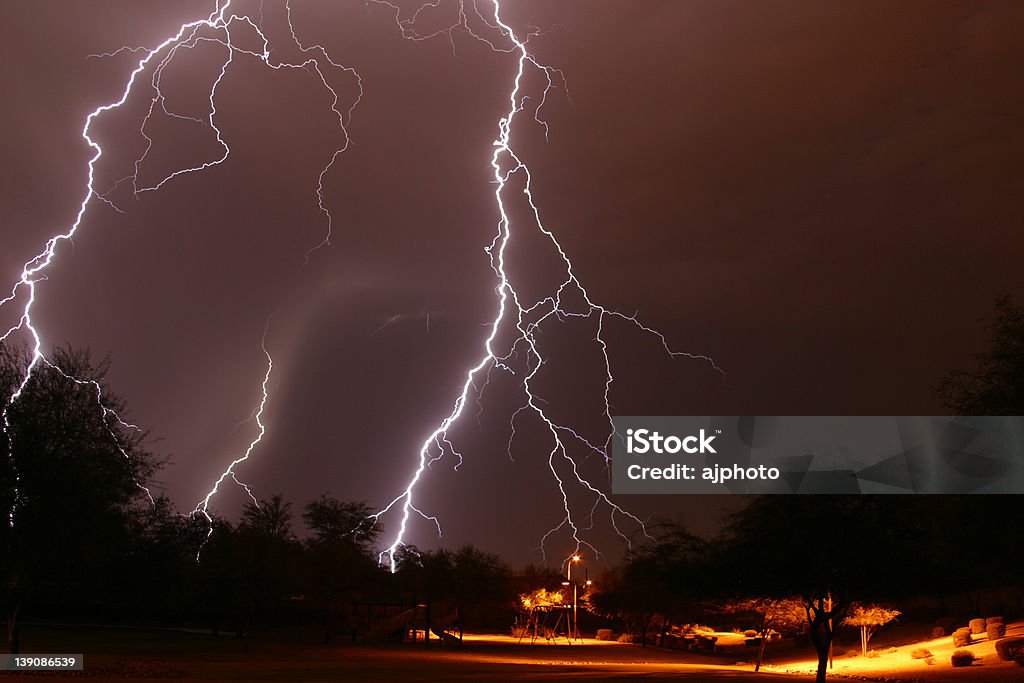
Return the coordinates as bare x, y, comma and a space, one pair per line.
522, 320
217, 28
526, 318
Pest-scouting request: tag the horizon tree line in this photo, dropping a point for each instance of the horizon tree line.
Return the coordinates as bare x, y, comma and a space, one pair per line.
88, 539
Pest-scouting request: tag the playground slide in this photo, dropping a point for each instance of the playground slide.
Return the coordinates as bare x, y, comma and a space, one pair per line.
438, 628
394, 628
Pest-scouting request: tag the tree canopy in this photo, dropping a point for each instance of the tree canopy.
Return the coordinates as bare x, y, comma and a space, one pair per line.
996, 385
73, 474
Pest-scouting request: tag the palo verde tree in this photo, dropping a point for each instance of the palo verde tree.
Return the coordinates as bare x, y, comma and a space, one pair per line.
767, 615
71, 478
869, 618
822, 549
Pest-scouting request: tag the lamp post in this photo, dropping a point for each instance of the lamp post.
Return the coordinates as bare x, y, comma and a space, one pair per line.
575, 595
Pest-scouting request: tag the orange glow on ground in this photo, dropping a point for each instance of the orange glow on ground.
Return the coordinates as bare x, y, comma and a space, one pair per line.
897, 660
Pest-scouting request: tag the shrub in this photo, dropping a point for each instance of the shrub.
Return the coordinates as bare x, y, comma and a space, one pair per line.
872, 654
996, 631
962, 658
920, 653
961, 637
994, 620
977, 626
938, 632
1011, 649
750, 633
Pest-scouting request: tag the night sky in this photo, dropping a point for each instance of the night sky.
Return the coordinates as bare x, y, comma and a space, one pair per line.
823, 196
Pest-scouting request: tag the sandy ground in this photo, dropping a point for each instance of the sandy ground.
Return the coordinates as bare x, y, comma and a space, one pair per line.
895, 663
171, 655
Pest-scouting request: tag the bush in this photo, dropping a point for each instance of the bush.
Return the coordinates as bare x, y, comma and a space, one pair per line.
994, 620
962, 658
920, 653
977, 626
961, 637
750, 633
705, 642
1011, 650
938, 632
872, 654
996, 631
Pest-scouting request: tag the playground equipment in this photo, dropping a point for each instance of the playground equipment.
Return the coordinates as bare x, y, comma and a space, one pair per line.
400, 622
538, 623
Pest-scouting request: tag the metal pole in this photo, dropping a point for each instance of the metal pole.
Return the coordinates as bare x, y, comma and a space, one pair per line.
575, 616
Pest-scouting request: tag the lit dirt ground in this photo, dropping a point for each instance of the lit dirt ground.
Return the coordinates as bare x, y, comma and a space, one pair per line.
896, 662
171, 655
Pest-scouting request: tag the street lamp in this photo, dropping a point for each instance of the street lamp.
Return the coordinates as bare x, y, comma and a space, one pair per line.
575, 615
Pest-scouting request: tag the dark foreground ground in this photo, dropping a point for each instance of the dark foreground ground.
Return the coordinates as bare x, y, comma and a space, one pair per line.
121, 654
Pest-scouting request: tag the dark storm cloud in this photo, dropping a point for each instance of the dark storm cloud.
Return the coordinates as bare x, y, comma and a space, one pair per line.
820, 195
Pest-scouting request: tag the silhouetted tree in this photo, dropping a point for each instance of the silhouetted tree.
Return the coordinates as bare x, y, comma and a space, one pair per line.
253, 569
339, 560
270, 518
71, 474
661, 578
826, 550
468, 577
996, 385
158, 577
